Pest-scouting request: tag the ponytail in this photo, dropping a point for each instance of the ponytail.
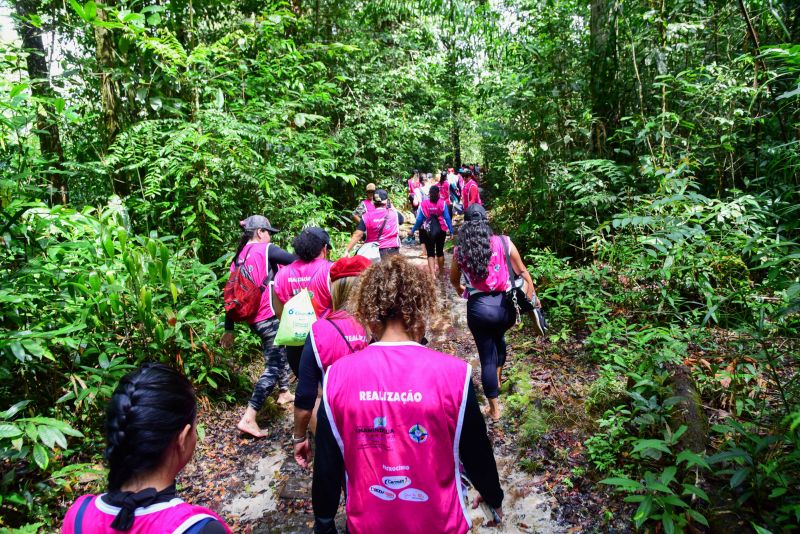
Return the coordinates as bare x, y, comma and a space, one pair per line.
247, 235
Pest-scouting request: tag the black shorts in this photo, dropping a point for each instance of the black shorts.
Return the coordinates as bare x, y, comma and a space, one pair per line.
434, 245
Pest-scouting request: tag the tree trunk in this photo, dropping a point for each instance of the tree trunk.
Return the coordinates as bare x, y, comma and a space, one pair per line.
603, 61
109, 93
688, 411
38, 72
455, 135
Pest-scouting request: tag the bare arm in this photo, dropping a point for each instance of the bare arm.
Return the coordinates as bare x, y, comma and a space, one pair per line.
357, 235
519, 267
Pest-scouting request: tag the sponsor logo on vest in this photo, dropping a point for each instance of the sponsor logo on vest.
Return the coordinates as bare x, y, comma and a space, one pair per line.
383, 493
413, 495
390, 396
496, 268
397, 482
379, 422
418, 433
396, 467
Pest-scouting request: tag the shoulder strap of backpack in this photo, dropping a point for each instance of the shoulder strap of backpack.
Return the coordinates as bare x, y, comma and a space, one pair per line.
78, 527
511, 274
380, 230
349, 346
267, 277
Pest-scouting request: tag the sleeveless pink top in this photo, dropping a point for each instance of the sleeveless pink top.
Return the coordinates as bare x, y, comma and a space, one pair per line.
320, 288
256, 261
297, 275
329, 345
470, 194
368, 205
170, 517
396, 411
430, 209
373, 221
497, 279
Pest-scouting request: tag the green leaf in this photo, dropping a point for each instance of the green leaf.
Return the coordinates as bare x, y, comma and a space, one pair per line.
692, 459
17, 89
697, 516
643, 512
51, 436
40, 456
691, 489
622, 483
740, 476
90, 11
9, 431
78, 9
669, 525
645, 444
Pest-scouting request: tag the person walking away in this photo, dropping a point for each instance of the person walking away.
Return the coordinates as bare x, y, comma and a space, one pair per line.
444, 189
396, 419
262, 260
312, 245
433, 222
481, 257
470, 194
382, 225
413, 185
335, 335
151, 434
365, 205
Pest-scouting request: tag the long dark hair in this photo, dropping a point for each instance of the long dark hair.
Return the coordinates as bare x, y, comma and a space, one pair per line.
247, 235
433, 194
475, 248
149, 408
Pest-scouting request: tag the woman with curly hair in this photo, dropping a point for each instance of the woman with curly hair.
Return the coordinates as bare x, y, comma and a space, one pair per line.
481, 257
312, 246
151, 434
397, 418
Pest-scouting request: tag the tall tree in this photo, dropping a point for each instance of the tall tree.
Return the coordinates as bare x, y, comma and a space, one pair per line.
27, 11
604, 65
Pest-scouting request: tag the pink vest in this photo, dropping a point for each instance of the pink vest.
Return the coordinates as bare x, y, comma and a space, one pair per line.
373, 222
170, 517
412, 185
396, 410
320, 288
497, 279
368, 205
430, 209
297, 275
470, 194
329, 345
256, 262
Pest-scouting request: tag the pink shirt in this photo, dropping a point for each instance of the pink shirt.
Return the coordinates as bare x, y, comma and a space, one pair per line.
320, 288
174, 516
396, 411
296, 276
329, 344
255, 258
373, 221
470, 194
497, 279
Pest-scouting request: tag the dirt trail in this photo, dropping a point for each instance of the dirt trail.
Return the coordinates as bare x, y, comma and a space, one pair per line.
258, 487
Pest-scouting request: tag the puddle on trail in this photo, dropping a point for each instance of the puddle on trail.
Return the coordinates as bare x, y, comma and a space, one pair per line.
258, 497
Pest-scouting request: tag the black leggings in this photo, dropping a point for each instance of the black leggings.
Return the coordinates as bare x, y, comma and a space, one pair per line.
488, 318
434, 246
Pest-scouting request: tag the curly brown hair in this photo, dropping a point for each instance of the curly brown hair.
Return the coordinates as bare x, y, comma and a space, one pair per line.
395, 289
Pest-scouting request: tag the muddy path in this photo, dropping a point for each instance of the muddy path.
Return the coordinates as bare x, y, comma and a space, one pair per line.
257, 486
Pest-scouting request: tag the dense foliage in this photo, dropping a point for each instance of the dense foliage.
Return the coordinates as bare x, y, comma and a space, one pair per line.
646, 153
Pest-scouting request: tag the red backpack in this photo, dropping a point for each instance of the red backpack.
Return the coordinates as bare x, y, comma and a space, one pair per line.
242, 294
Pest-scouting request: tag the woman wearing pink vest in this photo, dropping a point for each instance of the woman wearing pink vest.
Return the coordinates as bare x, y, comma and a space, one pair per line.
262, 259
470, 194
334, 336
397, 419
413, 185
312, 245
481, 257
381, 224
433, 223
365, 205
151, 435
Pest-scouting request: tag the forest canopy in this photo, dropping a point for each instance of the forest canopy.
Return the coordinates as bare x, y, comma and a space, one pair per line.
644, 155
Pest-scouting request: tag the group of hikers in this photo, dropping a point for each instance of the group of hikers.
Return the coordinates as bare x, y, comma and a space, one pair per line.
396, 424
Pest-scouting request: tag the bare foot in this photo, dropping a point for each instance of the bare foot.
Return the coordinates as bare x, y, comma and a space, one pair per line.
494, 414
250, 427
285, 397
